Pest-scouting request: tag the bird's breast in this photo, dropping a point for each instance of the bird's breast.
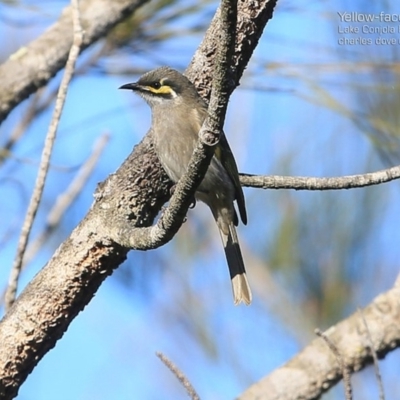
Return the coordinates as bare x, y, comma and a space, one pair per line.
175, 140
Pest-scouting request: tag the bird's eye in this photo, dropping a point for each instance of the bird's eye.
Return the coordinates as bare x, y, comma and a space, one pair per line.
156, 85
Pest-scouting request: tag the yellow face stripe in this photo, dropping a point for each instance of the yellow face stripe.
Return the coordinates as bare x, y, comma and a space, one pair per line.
162, 90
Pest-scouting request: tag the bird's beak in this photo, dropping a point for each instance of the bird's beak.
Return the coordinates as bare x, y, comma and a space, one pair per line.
130, 86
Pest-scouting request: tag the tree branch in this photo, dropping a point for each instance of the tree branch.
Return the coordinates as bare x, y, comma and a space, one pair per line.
251, 20
46, 155
183, 380
346, 376
33, 66
63, 202
374, 357
313, 183
315, 369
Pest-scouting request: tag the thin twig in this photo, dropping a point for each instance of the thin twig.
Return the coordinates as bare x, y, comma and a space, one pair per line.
374, 356
342, 365
21, 126
313, 183
179, 375
65, 199
46, 155
40, 102
62, 203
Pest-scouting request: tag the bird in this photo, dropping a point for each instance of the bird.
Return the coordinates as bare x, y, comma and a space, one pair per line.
177, 115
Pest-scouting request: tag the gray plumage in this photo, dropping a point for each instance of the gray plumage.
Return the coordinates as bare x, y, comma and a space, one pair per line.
178, 113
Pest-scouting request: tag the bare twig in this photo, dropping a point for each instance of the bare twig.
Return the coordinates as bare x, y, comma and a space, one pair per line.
179, 375
33, 66
64, 201
313, 183
46, 154
39, 103
374, 356
20, 128
342, 363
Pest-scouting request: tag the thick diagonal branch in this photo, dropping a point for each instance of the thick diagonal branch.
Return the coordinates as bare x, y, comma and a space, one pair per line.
315, 369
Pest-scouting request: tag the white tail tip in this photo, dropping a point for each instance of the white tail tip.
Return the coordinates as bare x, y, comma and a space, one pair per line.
241, 290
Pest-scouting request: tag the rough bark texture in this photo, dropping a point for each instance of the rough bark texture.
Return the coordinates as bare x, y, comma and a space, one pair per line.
315, 369
131, 197
252, 17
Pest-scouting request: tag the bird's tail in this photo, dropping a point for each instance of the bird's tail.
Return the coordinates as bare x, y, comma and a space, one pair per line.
240, 286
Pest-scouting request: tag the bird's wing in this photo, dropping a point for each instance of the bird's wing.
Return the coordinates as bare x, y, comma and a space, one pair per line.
224, 153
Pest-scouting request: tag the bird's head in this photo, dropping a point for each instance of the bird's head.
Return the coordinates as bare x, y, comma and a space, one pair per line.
164, 86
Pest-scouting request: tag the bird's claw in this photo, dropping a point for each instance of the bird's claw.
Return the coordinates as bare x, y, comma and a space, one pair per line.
192, 203
172, 189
